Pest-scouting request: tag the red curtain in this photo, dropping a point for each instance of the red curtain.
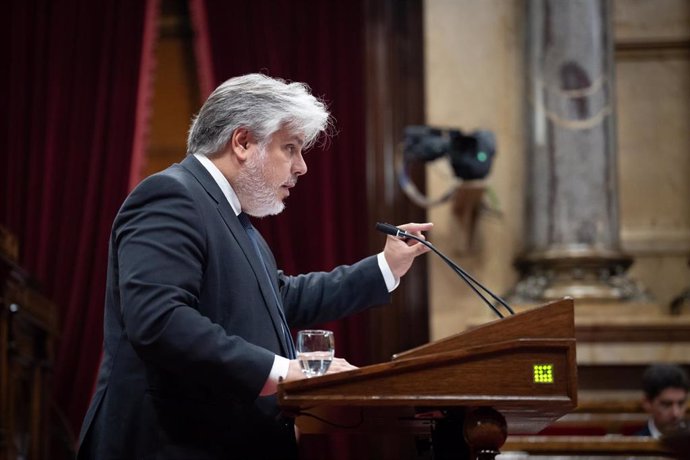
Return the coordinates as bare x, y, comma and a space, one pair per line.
320, 43
73, 92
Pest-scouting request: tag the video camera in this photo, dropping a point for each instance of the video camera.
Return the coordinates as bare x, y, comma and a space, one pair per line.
470, 155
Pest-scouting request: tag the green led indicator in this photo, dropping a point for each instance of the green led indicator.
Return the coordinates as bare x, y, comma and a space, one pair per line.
543, 373
482, 156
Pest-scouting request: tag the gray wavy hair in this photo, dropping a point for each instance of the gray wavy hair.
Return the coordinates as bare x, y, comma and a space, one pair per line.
261, 104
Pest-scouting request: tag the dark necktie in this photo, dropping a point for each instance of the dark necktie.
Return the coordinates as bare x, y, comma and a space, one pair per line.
254, 238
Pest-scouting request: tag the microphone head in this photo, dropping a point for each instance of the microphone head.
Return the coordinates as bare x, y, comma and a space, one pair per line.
388, 229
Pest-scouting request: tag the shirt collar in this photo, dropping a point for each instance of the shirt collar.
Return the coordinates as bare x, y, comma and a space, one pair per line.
653, 430
222, 182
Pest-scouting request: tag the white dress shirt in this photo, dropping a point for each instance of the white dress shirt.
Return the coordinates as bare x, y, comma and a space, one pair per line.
653, 430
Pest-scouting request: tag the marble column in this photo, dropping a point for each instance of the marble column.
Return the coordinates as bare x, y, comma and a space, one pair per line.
572, 224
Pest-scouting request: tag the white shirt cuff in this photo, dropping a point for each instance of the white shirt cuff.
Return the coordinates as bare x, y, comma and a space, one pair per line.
278, 371
391, 281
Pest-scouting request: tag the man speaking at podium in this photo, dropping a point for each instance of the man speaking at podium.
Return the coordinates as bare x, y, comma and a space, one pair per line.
197, 315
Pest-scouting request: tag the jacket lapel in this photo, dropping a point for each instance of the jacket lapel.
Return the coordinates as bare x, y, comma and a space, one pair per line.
240, 235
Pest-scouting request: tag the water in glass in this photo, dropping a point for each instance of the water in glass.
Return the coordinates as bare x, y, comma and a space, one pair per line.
315, 350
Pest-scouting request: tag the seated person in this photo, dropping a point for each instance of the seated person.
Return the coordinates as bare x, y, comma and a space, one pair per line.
665, 399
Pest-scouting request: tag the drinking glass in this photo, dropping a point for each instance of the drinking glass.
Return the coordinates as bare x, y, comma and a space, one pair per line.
315, 350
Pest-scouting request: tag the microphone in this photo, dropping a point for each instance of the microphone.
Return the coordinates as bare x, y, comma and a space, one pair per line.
392, 230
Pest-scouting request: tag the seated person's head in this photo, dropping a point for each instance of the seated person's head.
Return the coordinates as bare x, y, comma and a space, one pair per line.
665, 395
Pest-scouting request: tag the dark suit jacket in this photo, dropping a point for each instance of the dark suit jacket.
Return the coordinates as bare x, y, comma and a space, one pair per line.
644, 431
191, 327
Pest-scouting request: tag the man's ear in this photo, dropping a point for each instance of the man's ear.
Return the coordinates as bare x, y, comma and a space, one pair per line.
239, 142
646, 404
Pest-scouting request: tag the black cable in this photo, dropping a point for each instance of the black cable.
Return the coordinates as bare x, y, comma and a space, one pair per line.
466, 277
337, 425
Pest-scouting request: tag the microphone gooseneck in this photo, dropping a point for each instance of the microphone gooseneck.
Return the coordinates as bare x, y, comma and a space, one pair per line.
392, 230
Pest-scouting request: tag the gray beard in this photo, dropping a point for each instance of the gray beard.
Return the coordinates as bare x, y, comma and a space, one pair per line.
257, 196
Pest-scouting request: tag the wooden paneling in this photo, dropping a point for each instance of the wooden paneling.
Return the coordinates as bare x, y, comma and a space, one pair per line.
395, 99
28, 327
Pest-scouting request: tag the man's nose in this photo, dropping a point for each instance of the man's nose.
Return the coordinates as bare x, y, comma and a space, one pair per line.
299, 167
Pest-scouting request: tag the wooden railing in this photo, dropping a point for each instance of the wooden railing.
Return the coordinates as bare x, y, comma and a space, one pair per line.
603, 424
611, 445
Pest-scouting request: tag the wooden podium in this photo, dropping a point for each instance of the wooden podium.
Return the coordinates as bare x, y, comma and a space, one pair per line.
515, 375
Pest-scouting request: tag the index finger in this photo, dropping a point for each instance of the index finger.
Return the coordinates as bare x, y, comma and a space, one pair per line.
415, 227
